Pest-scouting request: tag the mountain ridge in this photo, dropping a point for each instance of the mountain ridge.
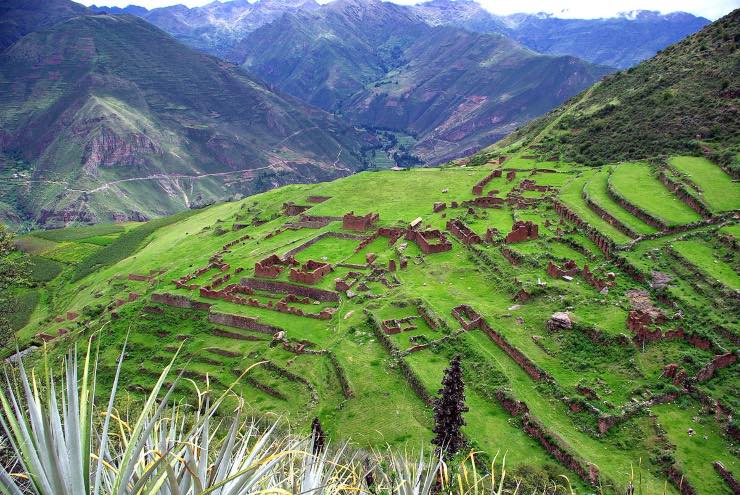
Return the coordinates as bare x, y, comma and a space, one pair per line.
110, 115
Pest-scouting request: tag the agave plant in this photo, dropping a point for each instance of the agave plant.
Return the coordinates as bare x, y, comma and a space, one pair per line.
63, 450
66, 445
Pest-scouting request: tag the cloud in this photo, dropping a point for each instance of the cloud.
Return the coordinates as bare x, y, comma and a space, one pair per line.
587, 9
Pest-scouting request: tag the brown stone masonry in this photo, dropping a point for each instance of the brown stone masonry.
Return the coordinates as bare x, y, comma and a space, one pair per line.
605, 244
680, 190
271, 266
486, 202
243, 322
478, 188
522, 231
286, 288
636, 211
464, 233
310, 272
559, 450
719, 362
467, 317
727, 476
429, 241
179, 301
317, 199
608, 218
350, 221
292, 209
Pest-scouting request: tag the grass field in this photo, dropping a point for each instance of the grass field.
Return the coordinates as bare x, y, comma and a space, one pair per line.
571, 195
382, 407
636, 183
718, 190
708, 261
596, 188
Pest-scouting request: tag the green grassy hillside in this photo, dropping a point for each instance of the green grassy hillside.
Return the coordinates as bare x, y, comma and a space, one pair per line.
684, 99
107, 118
373, 386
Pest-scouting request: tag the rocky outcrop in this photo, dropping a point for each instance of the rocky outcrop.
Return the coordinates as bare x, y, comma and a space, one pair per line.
108, 149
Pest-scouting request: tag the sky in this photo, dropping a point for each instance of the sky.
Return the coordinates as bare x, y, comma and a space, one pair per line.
711, 9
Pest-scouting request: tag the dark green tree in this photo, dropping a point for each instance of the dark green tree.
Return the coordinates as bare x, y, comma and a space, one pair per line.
13, 274
319, 437
448, 411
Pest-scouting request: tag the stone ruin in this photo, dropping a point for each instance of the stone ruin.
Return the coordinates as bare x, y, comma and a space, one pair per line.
531, 185
394, 326
350, 221
478, 188
272, 266
510, 175
467, 317
291, 209
232, 293
429, 241
439, 206
570, 269
310, 272
288, 288
214, 262
317, 199
602, 242
489, 201
349, 280
312, 222
464, 233
522, 231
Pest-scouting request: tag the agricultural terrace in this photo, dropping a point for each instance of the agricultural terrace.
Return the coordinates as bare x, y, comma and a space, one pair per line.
355, 294
713, 185
596, 189
636, 184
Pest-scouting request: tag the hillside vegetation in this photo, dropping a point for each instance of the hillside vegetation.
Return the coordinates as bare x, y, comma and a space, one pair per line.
97, 125
649, 318
683, 100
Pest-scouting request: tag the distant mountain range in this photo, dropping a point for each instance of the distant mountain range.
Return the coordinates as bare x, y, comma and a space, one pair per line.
107, 117
217, 27
619, 42
379, 64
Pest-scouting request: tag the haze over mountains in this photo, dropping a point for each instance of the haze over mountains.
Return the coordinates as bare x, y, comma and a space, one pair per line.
97, 126
114, 119
620, 41
380, 65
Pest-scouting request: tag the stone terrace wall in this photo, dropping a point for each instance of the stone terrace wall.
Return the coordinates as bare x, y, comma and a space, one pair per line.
286, 288
727, 476
719, 362
243, 322
179, 301
605, 244
464, 233
607, 217
683, 194
478, 188
311, 242
634, 209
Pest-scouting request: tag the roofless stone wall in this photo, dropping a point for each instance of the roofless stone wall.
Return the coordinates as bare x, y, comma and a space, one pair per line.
286, 288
